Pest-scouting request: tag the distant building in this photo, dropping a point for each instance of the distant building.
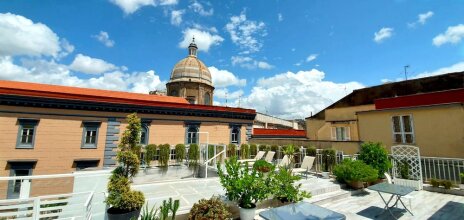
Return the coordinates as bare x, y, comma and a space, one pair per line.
272, 122
426, 112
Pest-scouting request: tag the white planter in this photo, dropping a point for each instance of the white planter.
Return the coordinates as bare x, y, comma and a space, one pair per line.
325, 175
247, 214
416, 184
461, 186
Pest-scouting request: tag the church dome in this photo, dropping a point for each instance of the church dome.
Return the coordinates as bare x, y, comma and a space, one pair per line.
191, 69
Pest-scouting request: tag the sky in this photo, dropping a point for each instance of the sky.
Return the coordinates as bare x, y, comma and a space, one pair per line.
289, 59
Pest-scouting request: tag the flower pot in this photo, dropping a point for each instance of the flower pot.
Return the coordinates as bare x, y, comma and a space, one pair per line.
325, 175
461, 186
356, 184
118, 214
247, 213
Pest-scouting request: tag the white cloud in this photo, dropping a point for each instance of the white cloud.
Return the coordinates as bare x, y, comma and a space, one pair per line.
131, 6
225, 94
453, 35
245, 33
21, 36
383, 34
421, 19
280, 17
176, 16
311, 57
203, 38
104, 38
295, 95
250, 63
457, 67
89, 65
224, 78
198, 8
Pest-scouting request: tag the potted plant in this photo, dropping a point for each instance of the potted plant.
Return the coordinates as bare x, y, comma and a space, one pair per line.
162, 212
244, 186
165, 151
355, 173
375, 155
212, 208
311, 151
446, 184
245, 151
231, 150
435, 183
253, 149
126, 203
284, 188
180, 153
262, 147
461, 186
150, 152
193, 155
328, 160
289, 150
263, 166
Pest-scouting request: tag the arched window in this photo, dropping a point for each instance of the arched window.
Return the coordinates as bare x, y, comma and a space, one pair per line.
207, 99
144, 135
235, 135
192, 137
174, 93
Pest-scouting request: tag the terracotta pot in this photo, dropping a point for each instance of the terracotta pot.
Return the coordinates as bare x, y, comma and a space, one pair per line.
118, 214
248, 213
356, 184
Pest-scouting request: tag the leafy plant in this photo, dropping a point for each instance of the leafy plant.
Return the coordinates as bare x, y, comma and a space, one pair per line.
328, 159
262, 147
263, 166
245, 151
375, 155
162, 212
194, 154
462, 177
404, 169
210, 152
289, 150
446, 183
231, 150
253, 149
212, 208
120, 195
354, 171
284, 187
165, 151
274, 148
150, 152
242, 185
434, 182
180, 152
311, 151
151, 214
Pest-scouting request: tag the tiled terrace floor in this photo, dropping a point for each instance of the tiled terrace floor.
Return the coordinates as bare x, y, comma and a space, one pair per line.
425, 205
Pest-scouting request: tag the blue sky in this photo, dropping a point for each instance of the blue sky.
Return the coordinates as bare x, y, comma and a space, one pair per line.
285, 58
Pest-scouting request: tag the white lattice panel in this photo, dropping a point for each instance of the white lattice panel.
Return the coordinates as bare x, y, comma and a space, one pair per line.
411, 156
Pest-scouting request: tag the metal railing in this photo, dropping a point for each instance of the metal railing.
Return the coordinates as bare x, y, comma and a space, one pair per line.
213, 159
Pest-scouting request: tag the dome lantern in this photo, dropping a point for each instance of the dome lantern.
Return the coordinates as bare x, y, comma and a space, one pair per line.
193, 48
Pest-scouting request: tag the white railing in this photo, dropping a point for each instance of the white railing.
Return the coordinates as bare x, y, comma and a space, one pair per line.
214, 158
442, 168
62, 206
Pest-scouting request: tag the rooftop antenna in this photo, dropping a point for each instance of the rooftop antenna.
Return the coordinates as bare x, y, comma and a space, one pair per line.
239, 98
406, 72
226, 98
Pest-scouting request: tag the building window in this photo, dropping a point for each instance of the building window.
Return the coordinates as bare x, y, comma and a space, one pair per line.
26, 133
191, 99
144, 134
341, 133
18, 168
403, 131
174, 93
192, 135
90, 134
235, 135
86, 163
207, 98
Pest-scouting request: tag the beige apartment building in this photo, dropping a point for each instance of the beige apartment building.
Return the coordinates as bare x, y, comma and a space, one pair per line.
426, 112
49, 129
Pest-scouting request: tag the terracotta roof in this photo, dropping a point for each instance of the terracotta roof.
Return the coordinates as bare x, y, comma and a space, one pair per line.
257, 132
423, 99
104, 96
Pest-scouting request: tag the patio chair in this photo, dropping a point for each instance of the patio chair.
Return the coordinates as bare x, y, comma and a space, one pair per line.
269, 156
258, 156
285, 162
408, 197
306, 165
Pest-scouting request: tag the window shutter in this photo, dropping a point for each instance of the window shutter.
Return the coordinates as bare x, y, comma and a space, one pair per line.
347, 133
334, 133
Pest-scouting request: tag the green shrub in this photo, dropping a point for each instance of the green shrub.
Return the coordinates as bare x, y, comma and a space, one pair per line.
462, 177
274, 148
446, 183
180, 152
375, 155
162, 212
253, 149
194, 154
150, 152
434, 182
242, 185
231, 150
284, 188
244, 151
210, 151
355, 170
212, 208
165, 151
262, 147
328, 159
149, 214
404, 169
311, 151
263, 166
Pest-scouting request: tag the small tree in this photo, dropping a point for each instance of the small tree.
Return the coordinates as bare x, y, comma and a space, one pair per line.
253, 149
120, 195
231, 150
180, 152
328, 159
244, 151
375, 155
150, 152
194, 154
165, 151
